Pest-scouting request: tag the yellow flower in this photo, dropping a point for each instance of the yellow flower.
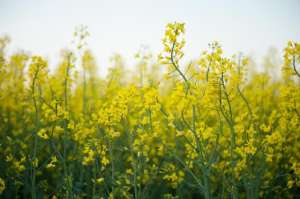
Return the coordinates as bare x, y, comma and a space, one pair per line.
89, 156
179, 133
290, 184
43, 134
100, 180
2, 185
35, 162
51, 164
104, 161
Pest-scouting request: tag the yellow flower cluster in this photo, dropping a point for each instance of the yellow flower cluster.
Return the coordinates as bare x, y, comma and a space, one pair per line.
215, 128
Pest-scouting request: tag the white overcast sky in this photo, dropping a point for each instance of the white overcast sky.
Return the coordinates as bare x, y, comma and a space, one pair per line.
45, 26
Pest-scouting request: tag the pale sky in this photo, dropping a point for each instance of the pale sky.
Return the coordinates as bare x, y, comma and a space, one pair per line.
45, 26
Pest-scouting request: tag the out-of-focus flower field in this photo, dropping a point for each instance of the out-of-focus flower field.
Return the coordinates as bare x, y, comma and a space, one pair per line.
211, 128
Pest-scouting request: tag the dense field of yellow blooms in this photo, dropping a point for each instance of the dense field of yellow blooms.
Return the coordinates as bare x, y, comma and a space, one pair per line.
207, 130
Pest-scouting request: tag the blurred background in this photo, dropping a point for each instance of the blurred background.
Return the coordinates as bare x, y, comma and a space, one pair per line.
44, 27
